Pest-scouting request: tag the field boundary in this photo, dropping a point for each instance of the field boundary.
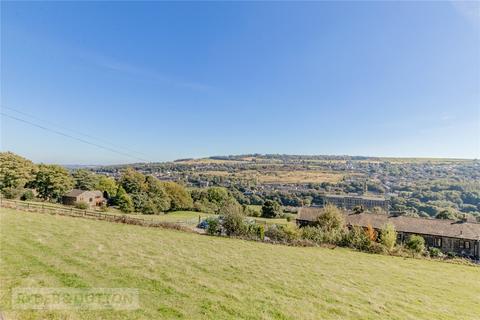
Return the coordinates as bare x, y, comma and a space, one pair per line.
89, 214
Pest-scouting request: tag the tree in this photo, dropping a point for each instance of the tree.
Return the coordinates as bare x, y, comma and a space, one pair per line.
331, 218
84, 179
159, 200
107, 185
416, 244
179, 196
52, 181
447, 213
271, 209
388, 236
233, 217
123, 200
15, 171
132, 181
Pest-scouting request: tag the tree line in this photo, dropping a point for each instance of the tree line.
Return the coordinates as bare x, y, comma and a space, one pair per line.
133, 191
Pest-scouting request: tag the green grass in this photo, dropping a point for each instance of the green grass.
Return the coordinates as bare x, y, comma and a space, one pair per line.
189, 276
182, 217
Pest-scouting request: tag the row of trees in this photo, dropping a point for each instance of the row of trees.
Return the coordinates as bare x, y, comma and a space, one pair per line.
133, 191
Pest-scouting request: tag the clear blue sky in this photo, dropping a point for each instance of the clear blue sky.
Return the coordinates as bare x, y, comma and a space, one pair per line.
176, 80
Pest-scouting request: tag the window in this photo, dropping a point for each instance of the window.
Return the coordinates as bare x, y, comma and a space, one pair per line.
467, 245
438, 242
91, 199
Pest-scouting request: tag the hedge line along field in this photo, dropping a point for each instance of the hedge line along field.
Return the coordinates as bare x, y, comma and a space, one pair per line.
189, 276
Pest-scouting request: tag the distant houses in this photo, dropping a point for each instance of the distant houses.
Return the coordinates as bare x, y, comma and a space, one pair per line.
349, 202
460, 237
91, 198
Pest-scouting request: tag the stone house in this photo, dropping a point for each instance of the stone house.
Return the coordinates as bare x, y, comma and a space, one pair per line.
91, 198
455, 236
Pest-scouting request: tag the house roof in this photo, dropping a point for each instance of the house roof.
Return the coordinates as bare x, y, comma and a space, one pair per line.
339, 196
76, 192
436, 227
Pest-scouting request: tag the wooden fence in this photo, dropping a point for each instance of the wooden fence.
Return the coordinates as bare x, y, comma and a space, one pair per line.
90, 214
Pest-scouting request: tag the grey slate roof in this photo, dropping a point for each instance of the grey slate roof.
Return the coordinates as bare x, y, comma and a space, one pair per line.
75, 193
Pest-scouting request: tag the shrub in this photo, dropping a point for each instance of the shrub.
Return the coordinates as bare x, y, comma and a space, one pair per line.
255, 231
358, 238
233, 224
331, 218
260, 231
388, 236
281, 233
104, 207
378, 248
81, 205
271, 209
287, 216
11, 192
251, 212
416, 244
27, 195
435, 252
371, 233
451, 255
313, 234
213, 227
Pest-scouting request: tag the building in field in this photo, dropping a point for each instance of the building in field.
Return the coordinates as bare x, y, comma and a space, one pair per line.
349, 202
450, 236
92, 198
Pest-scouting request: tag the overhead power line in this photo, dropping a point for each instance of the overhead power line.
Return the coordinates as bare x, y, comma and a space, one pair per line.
73, 137
74, 131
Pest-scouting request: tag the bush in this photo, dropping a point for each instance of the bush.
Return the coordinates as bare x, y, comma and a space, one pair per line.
27, 195
378, 248
81, 205
435, 253
104, 207
11, 193
313, 234
358, 238
416, 244
271, 209
281, 233
251, 212
213, 227
451, 255
371, 233
233, 224
287, 216
255, 231
331, 218
388, 236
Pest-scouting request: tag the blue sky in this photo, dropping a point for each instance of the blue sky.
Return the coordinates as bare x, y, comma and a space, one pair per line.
162, 81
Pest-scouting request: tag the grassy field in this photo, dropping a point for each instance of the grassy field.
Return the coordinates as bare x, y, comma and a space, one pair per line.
281, 176
189, 276
182, 217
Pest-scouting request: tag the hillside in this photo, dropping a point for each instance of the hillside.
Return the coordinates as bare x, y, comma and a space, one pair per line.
425, 187
182, 275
